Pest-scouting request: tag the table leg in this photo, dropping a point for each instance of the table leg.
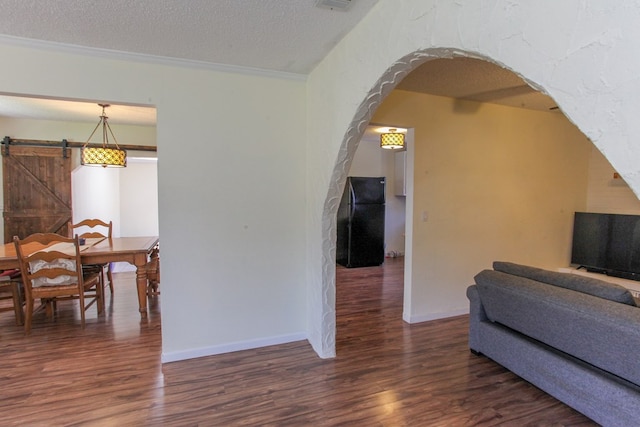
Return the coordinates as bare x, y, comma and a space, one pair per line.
141, 283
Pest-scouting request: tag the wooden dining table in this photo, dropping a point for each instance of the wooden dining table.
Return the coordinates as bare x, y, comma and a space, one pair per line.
134, 250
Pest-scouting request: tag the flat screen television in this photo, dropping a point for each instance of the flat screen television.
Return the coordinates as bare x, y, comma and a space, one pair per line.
607, 243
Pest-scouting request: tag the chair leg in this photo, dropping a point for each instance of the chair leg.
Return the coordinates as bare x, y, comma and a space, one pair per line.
50, 306
101, 301
100, 295
28, 316
110, 277
17, 303
82, 308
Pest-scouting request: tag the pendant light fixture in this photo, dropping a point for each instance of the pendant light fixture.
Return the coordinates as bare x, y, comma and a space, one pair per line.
105, 155
392, 140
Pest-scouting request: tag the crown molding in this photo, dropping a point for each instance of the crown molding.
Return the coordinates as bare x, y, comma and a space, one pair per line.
144, 58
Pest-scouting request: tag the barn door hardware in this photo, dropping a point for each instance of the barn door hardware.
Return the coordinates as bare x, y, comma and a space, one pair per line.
5, 145
64, 144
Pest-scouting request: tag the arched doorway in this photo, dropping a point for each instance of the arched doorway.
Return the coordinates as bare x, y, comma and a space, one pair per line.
366, 112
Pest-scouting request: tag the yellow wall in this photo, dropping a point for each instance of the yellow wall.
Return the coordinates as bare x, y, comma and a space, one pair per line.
490, 183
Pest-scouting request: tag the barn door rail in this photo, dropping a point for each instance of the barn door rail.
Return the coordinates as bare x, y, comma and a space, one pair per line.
7, 142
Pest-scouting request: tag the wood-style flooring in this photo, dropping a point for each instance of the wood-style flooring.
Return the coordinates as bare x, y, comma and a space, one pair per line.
386, 373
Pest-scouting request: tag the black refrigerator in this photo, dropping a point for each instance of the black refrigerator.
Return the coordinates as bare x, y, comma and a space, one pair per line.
360, 240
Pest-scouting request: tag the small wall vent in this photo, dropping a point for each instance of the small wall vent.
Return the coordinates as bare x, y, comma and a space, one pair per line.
334, 4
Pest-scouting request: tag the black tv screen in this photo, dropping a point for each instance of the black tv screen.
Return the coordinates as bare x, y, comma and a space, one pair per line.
607, 243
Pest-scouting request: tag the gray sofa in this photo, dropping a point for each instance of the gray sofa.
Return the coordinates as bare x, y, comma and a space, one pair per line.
574, 337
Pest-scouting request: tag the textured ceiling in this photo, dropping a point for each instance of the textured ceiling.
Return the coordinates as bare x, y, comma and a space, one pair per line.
475, 80
289, 36
282, 35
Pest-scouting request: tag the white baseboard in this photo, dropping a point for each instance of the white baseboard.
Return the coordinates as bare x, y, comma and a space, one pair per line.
175, 356
434, 316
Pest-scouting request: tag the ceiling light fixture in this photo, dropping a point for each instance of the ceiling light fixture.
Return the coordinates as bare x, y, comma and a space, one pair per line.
103, 156
392, 140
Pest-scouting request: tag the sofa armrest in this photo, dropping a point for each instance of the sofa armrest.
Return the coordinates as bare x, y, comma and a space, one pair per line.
476, 315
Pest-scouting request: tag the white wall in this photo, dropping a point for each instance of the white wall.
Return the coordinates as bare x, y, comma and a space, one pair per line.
577, 52
368, 159
138, 193
95, 193
231, 187
128, 197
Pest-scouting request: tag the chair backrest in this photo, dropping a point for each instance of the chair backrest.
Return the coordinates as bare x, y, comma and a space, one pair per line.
49, 260
91, 228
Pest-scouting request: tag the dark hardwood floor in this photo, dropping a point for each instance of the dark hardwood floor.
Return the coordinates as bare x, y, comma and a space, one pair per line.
386, 373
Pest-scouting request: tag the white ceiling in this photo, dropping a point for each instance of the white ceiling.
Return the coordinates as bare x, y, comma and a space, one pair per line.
288, 36
283, 35
74, 111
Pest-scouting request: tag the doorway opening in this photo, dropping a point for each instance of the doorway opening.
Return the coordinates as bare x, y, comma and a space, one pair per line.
497, 176
126, 196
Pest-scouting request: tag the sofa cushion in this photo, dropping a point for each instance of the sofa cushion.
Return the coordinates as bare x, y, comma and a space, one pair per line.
603, 333
587, 285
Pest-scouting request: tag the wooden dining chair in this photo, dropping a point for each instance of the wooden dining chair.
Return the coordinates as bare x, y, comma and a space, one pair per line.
11, 290
94, 228
53, 272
